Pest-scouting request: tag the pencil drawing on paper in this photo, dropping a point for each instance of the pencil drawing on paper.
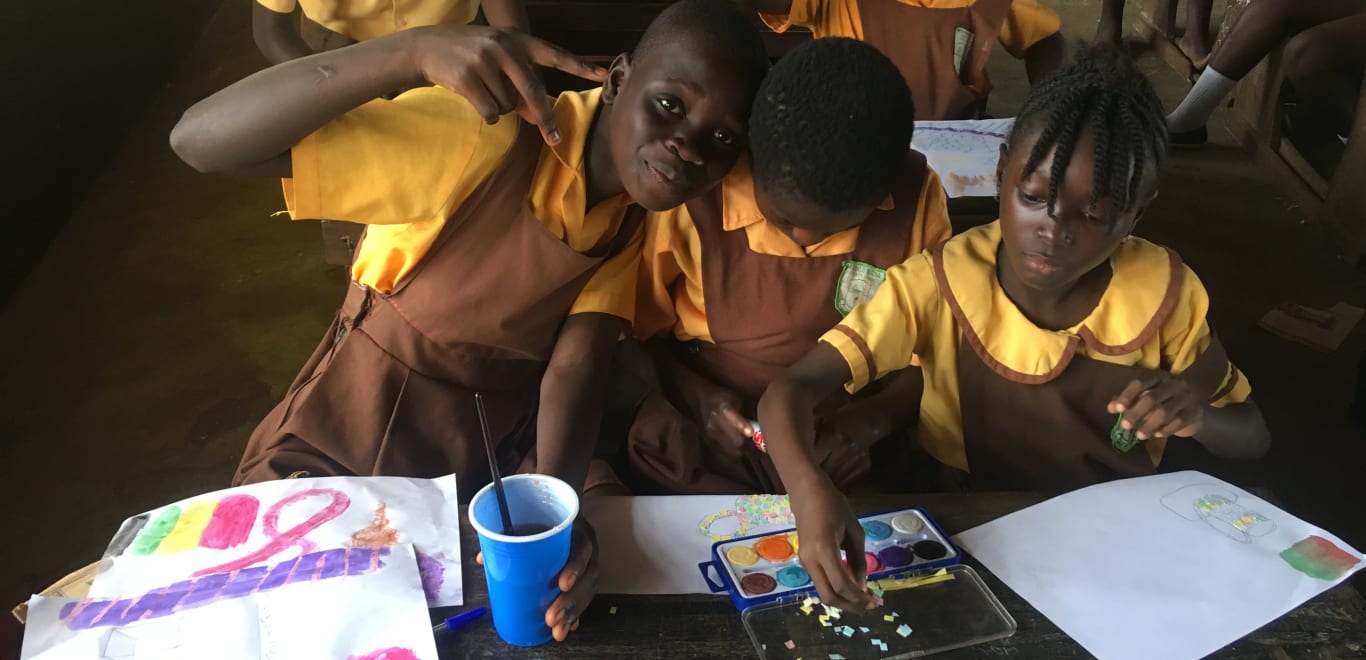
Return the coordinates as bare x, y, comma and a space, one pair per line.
1218, 507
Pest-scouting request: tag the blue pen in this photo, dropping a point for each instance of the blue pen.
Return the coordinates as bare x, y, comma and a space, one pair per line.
460, 620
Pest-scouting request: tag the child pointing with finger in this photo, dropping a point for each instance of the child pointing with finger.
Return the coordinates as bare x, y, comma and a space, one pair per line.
1035, 332
500, 251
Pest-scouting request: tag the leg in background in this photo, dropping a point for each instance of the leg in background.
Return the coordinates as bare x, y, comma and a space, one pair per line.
1195, 42
1111, 26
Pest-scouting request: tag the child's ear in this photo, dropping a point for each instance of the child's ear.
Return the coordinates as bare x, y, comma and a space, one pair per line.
616, 78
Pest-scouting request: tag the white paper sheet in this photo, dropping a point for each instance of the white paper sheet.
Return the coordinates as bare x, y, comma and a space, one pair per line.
373, 611
268, 522
963, 153
652, 545
1169, 566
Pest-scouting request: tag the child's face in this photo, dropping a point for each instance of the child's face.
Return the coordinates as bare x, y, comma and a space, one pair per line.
1051, 253
806, 223
678, 120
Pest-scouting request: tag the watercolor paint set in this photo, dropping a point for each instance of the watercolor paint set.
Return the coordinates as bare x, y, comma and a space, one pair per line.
762, 568
932, 602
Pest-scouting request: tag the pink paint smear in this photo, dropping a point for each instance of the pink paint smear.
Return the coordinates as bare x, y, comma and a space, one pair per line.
391, 653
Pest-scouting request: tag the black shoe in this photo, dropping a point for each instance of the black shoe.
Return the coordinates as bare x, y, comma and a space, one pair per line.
1190, 139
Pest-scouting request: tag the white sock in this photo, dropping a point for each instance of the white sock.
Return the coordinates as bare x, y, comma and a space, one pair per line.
1209, 91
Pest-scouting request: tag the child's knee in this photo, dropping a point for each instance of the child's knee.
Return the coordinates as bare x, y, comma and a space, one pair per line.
1304, 56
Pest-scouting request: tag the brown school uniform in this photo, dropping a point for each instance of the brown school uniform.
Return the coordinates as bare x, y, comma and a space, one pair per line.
743, 303
1022, 407
940, 46
447, 306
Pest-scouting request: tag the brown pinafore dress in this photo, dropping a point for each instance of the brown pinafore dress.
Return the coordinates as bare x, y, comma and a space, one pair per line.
1051, 432
764, 313
920, 41
390, 390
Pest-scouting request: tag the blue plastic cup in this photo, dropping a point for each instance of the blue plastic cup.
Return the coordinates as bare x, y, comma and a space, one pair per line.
523, 571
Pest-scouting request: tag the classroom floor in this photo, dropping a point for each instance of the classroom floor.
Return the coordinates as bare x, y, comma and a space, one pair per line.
173, 310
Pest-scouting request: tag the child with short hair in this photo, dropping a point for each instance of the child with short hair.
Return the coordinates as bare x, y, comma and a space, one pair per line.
742, 281
1035, 331
492, 263
282, 34
941, 46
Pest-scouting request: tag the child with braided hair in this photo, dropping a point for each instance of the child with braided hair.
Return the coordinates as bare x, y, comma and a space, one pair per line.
1036, 333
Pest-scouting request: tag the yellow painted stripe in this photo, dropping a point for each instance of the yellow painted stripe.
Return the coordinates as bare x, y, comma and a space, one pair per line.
188, 529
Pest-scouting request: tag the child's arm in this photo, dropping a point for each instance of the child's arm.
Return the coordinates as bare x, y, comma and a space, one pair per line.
277, 34
824, 520
714, 408
573, 394
1045, 56
507, 14
251, 125
1162, 405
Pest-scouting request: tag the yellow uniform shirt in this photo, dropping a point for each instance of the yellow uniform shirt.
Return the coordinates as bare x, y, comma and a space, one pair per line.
671, 295
367, 19
1027, 23
402, 167
909, 315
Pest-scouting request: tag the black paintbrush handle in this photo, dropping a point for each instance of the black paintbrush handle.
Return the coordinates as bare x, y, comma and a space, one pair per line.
493, 464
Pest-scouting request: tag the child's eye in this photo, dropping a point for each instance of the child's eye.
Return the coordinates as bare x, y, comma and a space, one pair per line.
724, 137
1095, 219
1032, 200
670, 104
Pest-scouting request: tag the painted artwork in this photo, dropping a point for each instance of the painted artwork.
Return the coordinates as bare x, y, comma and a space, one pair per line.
963, 153
321, 525
1201, 560
300, 608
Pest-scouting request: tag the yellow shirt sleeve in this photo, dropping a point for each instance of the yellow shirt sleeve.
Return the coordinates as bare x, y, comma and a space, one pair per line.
279, 6
413, 159
883, 334
1187, 334
825, 18
612, 288
1027, 24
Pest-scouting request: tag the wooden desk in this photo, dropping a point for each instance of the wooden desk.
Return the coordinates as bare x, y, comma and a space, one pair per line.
1332, 625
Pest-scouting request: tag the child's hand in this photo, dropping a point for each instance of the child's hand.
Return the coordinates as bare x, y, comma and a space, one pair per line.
717, 411
826, 525
496, 70
1159, 405
578, 581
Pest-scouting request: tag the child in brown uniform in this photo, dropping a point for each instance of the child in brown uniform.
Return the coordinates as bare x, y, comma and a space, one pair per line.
1034, 331
742, 281
481, 239
941, 46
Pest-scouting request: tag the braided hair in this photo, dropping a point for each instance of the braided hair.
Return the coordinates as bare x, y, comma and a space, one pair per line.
1102, 91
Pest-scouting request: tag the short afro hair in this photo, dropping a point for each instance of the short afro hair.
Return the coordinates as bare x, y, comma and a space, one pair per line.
831, 123
719, 23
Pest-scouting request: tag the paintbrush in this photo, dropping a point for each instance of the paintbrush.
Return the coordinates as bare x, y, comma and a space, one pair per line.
493, 464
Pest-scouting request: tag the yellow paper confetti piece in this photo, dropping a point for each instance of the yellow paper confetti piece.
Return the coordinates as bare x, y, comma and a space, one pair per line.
806, 609
612, 610
811, 601
942, 575
888, 618
825, 620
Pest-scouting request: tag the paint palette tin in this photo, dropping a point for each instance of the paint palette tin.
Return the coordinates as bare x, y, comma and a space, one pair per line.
932, 602
762, 568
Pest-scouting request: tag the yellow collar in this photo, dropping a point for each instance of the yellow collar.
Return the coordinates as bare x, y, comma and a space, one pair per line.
1144, 289
574, 112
